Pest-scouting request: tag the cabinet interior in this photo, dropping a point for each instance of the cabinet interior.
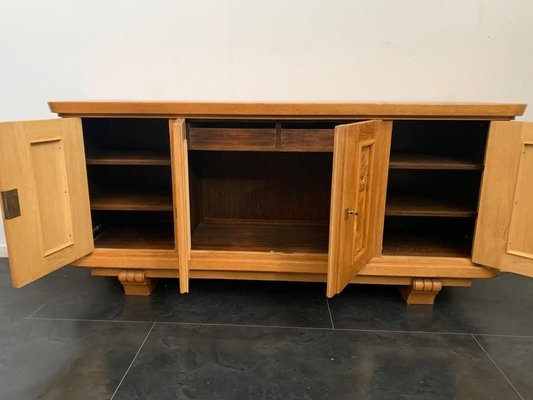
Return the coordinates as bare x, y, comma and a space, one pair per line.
433, 187
260, 201
266, 185
130, 183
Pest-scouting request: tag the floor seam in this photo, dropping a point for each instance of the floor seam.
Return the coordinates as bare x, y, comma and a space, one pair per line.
330, 315
498, 367
93, 320
36, 311
504, 335
277, 326
132, 361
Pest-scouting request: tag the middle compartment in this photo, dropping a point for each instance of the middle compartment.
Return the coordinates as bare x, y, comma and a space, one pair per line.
260, 201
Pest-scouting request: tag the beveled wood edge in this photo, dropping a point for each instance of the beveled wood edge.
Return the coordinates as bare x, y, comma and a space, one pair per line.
298, 264
130, 259
362, 110
275, 276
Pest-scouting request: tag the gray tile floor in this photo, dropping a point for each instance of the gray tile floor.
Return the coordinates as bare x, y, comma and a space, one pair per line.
73, 336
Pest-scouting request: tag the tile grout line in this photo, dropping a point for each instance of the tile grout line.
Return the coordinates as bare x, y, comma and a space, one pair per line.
35, 312
330, 316
279, 327
132, 361
54, 296
503, 335
95, 320
497, 366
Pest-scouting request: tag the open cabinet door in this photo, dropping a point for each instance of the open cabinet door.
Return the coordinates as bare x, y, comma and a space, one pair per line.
504, 231
359, 187
45, 197
180, 182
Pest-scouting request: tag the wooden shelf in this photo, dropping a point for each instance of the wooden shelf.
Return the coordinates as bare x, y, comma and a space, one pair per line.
127, 158
277, 237
147, 236
423, 205
429, 161
422, 244
131, 199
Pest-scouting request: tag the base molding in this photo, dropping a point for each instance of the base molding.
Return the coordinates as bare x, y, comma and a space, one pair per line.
136, 282
3, 250
421, 291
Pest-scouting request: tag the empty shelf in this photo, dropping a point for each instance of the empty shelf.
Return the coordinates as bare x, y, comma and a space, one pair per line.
127, 158
131, 200
429, 161
420, 205
399, 243
288, 238
151, 237
428, 236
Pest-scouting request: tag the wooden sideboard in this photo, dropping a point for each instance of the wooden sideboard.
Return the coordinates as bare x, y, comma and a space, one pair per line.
416, 195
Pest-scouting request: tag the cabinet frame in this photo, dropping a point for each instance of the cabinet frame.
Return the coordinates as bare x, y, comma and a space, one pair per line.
184, 262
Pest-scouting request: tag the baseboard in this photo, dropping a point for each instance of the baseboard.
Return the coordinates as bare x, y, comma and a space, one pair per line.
3, 250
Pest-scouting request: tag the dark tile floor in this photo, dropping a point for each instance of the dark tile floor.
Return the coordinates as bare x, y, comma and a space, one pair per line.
73, 336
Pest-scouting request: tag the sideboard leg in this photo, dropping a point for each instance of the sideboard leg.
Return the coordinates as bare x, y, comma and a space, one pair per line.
136, 283
421, 291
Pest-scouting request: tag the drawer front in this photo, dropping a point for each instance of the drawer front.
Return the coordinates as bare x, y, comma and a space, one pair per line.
232, 138
306, 140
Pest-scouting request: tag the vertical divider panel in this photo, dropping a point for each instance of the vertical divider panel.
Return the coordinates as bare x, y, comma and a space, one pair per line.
180, 183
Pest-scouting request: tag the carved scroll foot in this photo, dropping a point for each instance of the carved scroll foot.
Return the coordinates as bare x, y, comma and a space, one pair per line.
421, 291
136, 283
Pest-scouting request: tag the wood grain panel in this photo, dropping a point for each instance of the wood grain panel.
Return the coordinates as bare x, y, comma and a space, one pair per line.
520, 232
360, 164
306, 139
507, 179
287, 110
236, 139
45, 162
182, 212
270, 186
287, 237
51, 188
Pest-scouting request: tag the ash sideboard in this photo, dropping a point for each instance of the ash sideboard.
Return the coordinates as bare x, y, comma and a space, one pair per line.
416, 195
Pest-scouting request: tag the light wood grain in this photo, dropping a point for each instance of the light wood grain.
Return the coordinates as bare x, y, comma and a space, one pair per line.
45, 162
276, 276
136, 282
520, 241
360, 158
421, 291
248, 261
506, 206
131, 258
182, 213
288, 110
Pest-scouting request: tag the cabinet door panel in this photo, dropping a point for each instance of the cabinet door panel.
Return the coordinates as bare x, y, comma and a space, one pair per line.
360, 166
180, 182
504, 231
45, 196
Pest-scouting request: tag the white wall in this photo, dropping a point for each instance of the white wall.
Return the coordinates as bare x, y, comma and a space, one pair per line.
281, 50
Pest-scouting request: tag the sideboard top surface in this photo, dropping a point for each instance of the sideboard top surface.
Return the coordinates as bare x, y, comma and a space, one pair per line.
382, 110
